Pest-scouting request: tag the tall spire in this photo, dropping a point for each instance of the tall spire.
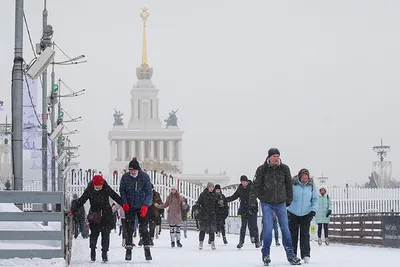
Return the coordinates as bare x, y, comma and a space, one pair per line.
144, 15
144, 72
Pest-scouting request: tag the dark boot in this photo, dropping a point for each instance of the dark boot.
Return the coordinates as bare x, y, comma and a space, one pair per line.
172, 244
151, 242
93, 254
147, 253
128, 254
224, 239
241, 241
257, 243
104, 256
140, 242
178, 243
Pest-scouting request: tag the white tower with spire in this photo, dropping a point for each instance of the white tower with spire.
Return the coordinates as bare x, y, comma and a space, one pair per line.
155, 146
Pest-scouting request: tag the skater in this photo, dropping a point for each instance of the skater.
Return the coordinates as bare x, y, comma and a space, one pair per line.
175, 204
323, 213
185, 212
154, 215
79, 219
222, 212
136, 194
122, 227
208, 218
195, 215
273, 187
276, 233
248, 214
302, 211
114, 209
100, 214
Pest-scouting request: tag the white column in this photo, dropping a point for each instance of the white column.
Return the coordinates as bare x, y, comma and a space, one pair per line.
118, 149
141, 150
123, 150
170, 150
180, 150
132, 149
111, 151
161, 150
152, 149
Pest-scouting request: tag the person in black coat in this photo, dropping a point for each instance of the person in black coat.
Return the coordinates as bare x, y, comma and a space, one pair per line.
100, 217
79, 220
208, 216
248, 214
222, 212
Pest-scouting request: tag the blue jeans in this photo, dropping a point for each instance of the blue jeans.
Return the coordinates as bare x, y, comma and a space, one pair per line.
281, 213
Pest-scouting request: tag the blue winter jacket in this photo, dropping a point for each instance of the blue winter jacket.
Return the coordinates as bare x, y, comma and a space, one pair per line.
305, 197
136, 191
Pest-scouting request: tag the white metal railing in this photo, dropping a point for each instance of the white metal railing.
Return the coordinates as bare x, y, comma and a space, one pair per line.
344, 200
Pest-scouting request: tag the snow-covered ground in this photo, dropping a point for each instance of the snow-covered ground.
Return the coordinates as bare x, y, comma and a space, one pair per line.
225, 255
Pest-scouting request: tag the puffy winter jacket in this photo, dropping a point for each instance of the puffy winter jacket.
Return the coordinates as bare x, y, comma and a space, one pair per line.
272, 185
136, 191
305, 197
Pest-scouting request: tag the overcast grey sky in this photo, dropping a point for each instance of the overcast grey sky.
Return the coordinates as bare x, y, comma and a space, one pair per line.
317, 79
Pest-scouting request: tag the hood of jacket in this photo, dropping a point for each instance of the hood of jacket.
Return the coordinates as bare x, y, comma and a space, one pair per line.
296, 181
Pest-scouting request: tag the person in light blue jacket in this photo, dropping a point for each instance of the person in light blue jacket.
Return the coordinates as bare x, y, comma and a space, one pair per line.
301, 211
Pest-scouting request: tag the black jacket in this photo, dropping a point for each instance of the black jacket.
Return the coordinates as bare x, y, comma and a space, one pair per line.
222, 207
272, 185
207, 204
99, 201
80, 213
244, 194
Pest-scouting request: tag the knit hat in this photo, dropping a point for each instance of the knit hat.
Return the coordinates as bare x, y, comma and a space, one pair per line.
173, 187
243, 178
273, 151
97, 180
217, 186
134, 164
210, 184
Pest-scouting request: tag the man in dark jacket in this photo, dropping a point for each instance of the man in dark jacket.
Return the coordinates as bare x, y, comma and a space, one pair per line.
100, 217
137, 195
222, 212
154, 216
248, 214
273, 187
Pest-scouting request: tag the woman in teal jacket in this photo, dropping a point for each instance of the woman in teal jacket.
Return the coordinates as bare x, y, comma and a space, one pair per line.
323, 213
301, 212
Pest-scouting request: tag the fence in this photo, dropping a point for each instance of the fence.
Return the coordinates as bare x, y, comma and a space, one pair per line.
366, 228
344, 200
19, 235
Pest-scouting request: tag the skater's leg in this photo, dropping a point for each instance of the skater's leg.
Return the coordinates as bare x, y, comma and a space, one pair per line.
212, 237
94, 235
281, 213
129, 225
294, 224
202, 235
143, 228
326, 230
267, 229
319, 232
253, 228
305, 236
243, 227
105, 240
178, 232
172, 232
276, 233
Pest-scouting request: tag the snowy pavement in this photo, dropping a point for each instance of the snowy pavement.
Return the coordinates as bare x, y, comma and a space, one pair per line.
230, 256
225, 255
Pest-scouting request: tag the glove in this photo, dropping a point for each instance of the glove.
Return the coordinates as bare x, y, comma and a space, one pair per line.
143, 211
71, 213
328, 213
126, 207
253, 210
311, 215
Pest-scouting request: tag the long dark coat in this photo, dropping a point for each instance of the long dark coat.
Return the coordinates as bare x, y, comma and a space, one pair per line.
99, 201
208, 211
